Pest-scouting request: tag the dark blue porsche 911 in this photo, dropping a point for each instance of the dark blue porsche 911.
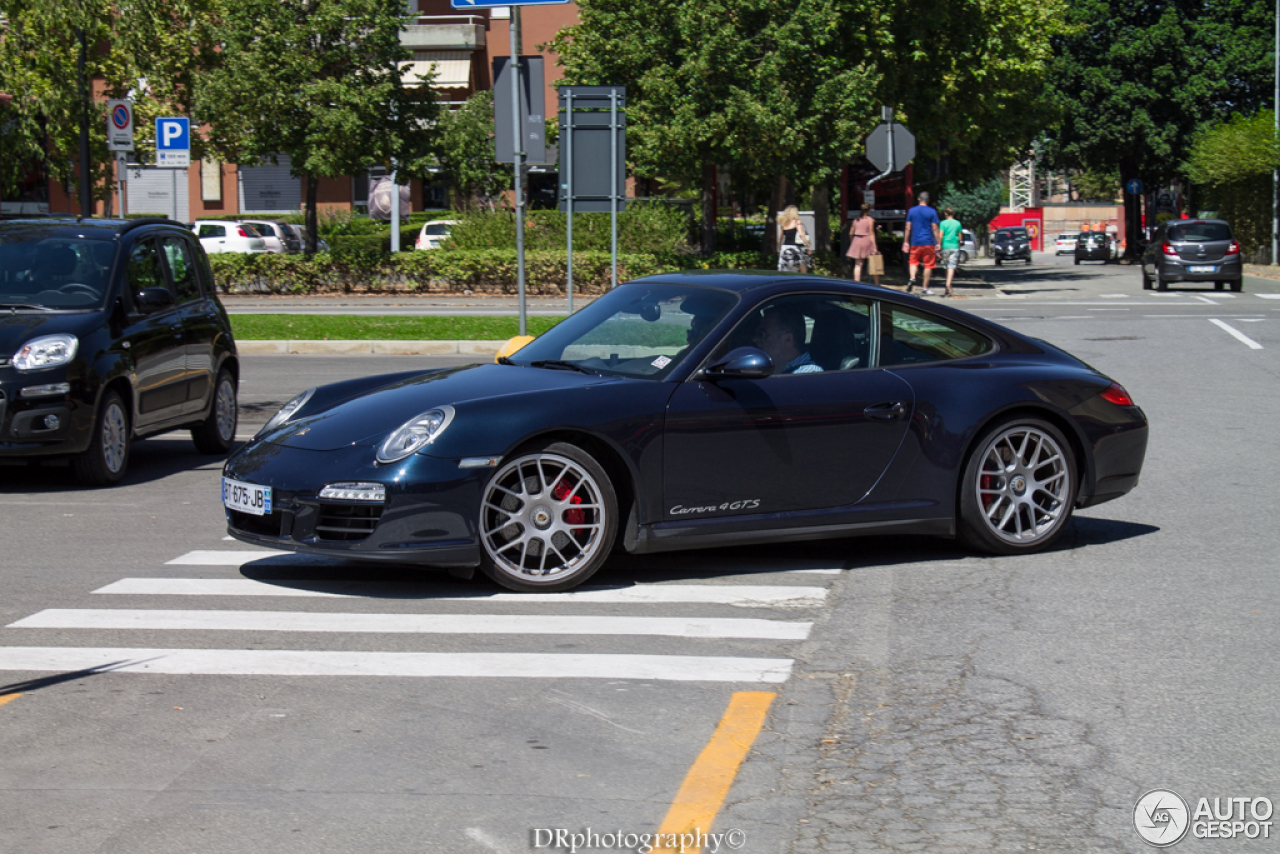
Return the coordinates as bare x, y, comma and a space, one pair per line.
694, 410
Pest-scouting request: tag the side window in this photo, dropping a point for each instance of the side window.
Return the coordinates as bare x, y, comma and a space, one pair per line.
213, 231
807, 333
182, 268
144, 269
909, 337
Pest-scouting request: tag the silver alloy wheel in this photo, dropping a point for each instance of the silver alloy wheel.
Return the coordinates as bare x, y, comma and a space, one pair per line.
114, 438
542, 518
225, 410
1023, 485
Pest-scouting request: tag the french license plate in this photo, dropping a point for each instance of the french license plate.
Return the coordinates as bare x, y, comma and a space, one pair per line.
1202, 269
246, 497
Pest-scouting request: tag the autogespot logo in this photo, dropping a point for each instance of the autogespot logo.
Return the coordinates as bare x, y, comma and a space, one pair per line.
1161, 817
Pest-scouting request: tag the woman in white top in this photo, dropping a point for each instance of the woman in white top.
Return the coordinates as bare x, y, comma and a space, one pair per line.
793, 243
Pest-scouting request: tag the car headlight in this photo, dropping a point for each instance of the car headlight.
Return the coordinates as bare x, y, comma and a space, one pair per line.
287, 411
49, 351
415, 434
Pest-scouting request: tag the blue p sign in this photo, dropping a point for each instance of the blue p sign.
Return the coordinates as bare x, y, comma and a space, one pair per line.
173, 134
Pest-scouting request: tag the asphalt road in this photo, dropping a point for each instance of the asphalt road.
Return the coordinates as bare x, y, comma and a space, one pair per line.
939, 701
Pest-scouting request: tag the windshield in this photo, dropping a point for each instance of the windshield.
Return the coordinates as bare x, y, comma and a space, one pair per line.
54, 272
1200, 232
642, 330
1012, 234
436, 229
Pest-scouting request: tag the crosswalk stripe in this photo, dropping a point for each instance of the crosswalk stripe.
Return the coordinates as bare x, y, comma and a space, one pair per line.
241, 662
742, 595
486, 624
225, 557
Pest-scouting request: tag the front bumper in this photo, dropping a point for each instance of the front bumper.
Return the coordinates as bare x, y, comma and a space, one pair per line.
429, 516
45, 425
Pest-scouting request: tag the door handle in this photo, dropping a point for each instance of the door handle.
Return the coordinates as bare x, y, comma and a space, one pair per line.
891, 411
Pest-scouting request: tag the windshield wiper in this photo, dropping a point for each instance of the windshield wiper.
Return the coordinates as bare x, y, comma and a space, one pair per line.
560, 365
13, 306
503, 360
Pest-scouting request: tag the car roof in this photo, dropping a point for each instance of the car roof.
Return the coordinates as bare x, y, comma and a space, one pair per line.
741, 281
82, 228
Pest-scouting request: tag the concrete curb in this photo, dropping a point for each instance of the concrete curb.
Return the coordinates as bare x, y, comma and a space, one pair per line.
369, 348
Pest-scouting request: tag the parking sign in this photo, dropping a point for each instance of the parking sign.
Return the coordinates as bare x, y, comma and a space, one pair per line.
119, 125
173, 143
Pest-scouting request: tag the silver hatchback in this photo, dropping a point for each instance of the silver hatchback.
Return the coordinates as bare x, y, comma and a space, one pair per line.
1192, 250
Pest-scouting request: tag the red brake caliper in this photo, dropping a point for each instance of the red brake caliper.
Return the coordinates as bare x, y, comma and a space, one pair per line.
987, 500
560, 493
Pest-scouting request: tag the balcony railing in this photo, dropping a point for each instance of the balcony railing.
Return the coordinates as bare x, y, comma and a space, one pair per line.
444, 32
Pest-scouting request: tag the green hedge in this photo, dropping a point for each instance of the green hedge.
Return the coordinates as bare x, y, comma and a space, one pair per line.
487, 271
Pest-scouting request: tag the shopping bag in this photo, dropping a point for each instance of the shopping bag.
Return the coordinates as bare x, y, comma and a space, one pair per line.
875, 265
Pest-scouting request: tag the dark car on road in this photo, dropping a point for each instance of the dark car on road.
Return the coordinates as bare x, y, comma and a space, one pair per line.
109, 331
1094, 246
1011, 244
674, 413
1192, 250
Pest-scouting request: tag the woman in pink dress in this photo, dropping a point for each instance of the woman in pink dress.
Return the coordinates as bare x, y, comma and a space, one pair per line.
862, 242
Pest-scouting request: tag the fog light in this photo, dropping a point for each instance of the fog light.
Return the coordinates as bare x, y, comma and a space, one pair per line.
50, 390
355, 492
52, 422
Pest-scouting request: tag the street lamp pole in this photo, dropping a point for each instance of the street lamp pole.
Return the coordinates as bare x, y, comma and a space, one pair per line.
1275, 171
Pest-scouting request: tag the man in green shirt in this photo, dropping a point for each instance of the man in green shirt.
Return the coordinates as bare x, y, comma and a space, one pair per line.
950, 228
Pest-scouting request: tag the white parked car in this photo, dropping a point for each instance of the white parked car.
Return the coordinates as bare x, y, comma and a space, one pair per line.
279, 236
1065, 243
434, 233
221, 236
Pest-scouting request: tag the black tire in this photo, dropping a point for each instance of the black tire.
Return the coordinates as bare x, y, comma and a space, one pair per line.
1237, 285
1077, 262
1146, 282
964, 256
107, 458
997, 262
1028, 259
1161, 284
1217, 286
525, 515
1030, 487
217, 433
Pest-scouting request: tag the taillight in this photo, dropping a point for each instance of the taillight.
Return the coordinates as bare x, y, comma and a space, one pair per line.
1116, 394
241, 231
1234, 248
1168, 249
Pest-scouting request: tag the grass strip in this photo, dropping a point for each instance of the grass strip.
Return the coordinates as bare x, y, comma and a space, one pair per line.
372, 327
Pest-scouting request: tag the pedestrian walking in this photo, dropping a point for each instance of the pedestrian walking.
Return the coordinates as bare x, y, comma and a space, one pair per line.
950, 230
793, 243
921, 242
862, 246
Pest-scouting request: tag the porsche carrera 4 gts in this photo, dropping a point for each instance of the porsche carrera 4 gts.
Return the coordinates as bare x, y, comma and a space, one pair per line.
693, 410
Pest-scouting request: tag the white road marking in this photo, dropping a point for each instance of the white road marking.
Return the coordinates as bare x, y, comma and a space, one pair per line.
1206, 299
1236, 333
223, 558
443, 624
743, 595
244, 662
1268, 296
1108, 309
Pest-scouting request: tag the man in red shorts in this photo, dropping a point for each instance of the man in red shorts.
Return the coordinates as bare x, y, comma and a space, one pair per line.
921, 241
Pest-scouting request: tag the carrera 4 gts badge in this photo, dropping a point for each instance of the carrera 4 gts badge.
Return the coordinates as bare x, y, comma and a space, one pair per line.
746, 504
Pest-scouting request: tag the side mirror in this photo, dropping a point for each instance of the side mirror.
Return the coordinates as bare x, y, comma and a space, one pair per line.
151, 300
743, 363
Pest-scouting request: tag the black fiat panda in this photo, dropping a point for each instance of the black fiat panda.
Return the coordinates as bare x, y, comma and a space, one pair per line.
110, 330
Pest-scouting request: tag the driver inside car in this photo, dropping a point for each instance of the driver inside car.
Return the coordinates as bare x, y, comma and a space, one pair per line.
781, 336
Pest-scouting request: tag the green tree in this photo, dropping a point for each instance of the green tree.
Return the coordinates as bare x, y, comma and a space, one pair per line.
1135, 81
318, 80
974, 206
466, 154
145, 49
1232, 163
1097, 185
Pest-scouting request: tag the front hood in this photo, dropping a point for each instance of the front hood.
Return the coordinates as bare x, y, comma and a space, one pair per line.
368, 418
17, 328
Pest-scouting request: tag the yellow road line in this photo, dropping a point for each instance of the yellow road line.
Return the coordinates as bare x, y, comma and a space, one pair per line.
707, 783
4, 698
